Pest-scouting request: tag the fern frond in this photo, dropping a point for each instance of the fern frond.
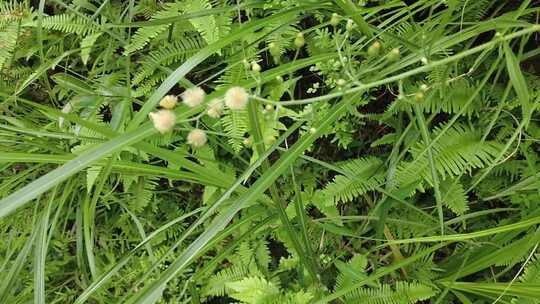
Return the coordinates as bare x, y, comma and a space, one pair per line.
459, 150
402, 293
207, 25
145, 34
235, 125
143, 193
253, 290
86, 46
8, 41
170, 53
69, 24
453, 99
454, 197
531, 274
473, 11
351, 272
216, 285
11, 11
363, 175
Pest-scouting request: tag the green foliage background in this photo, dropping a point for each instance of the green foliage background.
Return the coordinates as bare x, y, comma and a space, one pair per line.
389, 152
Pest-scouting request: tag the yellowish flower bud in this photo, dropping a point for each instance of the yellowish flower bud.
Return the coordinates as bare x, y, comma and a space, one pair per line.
255, 67
374, 49
350, 25
419, 96
274, 49
299, 41
168, 102
334, 21
394, 54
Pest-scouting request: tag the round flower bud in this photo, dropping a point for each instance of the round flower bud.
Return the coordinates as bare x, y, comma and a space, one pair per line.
193, 97
168, 102
312, 130
269, 139
269, 107
255, 67
350, 25
196, 138
163, 120
394, 54
419, 96
273, 48
424, 60
236, 98
341, 82
334, 20
299, 41
248, 142
215, 108
374, 49
424, 87
279, 79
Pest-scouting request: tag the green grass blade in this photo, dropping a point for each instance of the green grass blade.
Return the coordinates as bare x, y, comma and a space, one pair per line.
44, 183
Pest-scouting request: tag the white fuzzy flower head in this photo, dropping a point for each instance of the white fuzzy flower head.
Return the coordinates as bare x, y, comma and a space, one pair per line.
236, 98
196, 138
163, 120
168, 102
215, 108
193, 97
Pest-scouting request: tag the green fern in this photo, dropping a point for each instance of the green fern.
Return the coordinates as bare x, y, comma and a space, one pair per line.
217, 284
207, 26
460, 150
531, 273
69, 24
145, 34
168, 54
363, 175
351, 272
454, 197
11, 11
235, 125
253, 290
8, 41
86, 46
143, 193
452, 99
401, 293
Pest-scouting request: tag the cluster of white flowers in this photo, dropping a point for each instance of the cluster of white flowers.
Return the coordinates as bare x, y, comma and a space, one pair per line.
236, 98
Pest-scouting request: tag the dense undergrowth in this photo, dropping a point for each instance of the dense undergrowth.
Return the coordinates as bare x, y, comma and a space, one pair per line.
213, 151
